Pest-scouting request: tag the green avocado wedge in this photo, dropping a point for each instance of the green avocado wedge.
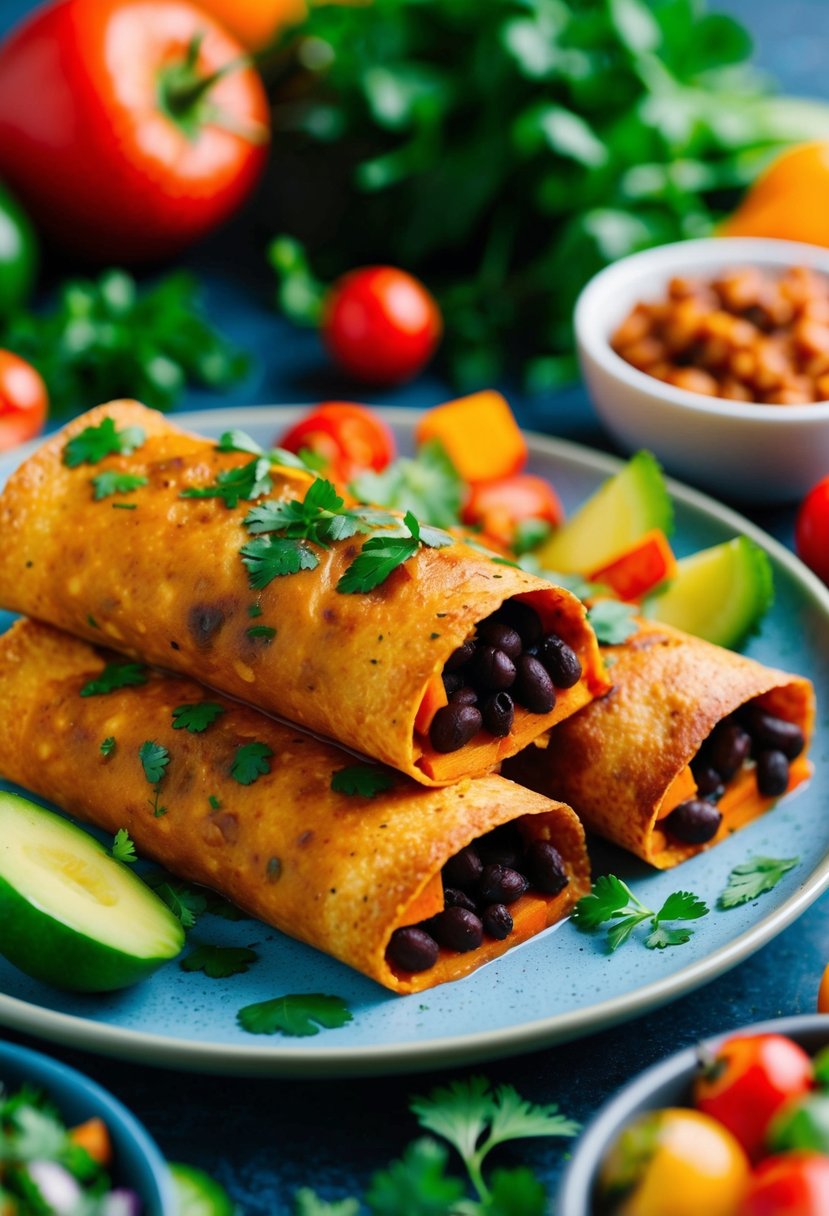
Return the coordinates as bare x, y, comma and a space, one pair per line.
70, 914
197, 1194
719, 594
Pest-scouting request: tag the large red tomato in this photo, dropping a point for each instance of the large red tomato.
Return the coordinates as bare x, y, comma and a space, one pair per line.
109, 134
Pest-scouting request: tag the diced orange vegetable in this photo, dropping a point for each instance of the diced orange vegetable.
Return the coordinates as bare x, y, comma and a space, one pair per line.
94, 1137
434, 699
480, 435
637, 570
429, 902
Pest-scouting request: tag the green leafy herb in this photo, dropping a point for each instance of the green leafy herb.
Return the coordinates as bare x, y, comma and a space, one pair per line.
240, 441
269, 557
215, 803
428, 485
364, 780
298, 1015
219, 962
248, 481
251, 762
753, 877
308, 1203
196, 718
612, 900
267, 632
613, 622
184, 903
124, 506
123, 848
113, 677
94, 443
383, 554
416, 1185
109, 483
154, 760
529, 534
254, 610
108, 746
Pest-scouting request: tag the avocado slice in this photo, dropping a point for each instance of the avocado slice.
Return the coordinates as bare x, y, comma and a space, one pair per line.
624, 507
197, 1194
719, 594
69, 913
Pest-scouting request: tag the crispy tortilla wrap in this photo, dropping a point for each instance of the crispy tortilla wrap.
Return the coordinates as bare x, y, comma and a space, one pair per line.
339, 871
623, 763
164, 580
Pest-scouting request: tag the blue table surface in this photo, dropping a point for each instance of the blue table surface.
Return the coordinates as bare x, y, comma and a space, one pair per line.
265, 1139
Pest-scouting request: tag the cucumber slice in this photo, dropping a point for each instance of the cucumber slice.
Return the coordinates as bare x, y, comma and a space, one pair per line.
626, 506
719, 594
69, 913
197, 1194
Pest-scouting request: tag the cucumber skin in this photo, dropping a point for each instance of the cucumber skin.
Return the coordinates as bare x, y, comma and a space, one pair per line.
43, 948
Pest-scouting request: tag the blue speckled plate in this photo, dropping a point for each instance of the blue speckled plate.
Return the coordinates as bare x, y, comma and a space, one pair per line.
560, 985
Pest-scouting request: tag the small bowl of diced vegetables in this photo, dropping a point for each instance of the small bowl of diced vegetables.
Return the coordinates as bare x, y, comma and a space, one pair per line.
69, 1147
736, 1126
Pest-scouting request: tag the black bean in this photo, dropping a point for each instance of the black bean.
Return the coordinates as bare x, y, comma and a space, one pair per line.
497, 921
452, 682
501, 884
464, 696
523, 619
493, 669
776, 733
727, 748
772, 773
455, 898
453, 726
533, 686
561, 661
412, 949
498, 713
709, 782
464, 869
493, 632
503, 845
457, 929
545, 868
694, 821
460, 656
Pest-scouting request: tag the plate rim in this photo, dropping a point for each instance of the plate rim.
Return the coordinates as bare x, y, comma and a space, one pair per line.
328, 1062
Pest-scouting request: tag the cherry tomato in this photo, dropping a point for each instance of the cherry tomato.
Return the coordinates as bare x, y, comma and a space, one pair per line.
116, 133
749, 1079
346, 436
811, 536
24, 402
793, 1184
675, 1162
380, 324
499, 506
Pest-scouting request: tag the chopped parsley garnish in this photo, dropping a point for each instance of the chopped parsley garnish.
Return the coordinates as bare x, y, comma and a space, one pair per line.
613, 622
297, 1014
111, 482
363, 780
612, 899
215, 802
154, 760
261, 631
184, 903
754, 877
428, 485
240, 441
250, 763
108, 746
113, 677
248, 481
94, 443
254, 610
219, 962
383, 554
124, 506
123, 848
196, 718
270, 557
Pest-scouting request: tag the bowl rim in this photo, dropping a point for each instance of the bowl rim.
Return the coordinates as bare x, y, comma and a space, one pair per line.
120, 1121
764, 251
575, 1191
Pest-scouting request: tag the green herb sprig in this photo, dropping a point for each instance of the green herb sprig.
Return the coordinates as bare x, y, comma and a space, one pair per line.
154, 760
612, 900
753, 877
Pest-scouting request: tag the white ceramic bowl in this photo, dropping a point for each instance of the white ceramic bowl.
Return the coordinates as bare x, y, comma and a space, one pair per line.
755, 453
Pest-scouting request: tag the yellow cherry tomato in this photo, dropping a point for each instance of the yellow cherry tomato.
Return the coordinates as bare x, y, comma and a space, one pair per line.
675, 1162
823, 992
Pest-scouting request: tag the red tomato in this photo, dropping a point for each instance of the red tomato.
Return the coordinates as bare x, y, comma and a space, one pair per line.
381, 325
24, 402
793, 1184
348, 437
105, 137
497, 506
749, 1079
812, 529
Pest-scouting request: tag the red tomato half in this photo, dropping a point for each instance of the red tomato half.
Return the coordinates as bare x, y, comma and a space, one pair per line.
498, 506
105, 136
793, 1184
381, 325
812, 530
24, 402
346, 436
749, 1079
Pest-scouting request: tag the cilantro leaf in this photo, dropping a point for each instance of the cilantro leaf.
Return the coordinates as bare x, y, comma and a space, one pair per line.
250, 762
94, 443
113, 677
154, 760
662, 936
363, 780
297, 1014
618, 934
108, 745
428, 485
607, 899
247, 481
123, 848
112, 482
267, 632
219, 962
682, 905
613, 622
612, 899
185, 904
308, 1203
417, 1184
239, 441
254, 610
753, 877
196, 718
269, 557
515, 1192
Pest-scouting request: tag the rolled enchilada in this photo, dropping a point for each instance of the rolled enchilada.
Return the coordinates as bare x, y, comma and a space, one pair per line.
691, 743
245, 805
114, 541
